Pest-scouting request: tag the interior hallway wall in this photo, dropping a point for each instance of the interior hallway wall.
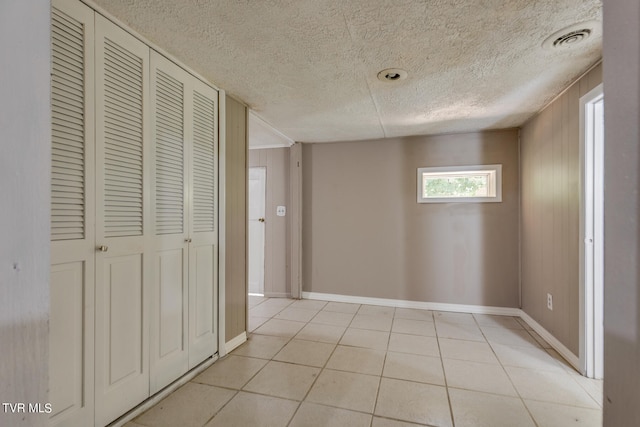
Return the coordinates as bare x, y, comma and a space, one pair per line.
364, 234
25, 162
236, 219
276, 265
622, 213
550, 165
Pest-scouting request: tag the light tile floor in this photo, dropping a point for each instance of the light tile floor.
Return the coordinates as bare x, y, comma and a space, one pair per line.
315, 364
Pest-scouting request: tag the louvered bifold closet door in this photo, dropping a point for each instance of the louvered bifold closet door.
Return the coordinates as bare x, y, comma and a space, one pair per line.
72, 212
123, 264
169, 297
203, 250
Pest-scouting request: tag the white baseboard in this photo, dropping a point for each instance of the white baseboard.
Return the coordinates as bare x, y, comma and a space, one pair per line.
461, 308
277, 295
553, 341
235, 342
437, 306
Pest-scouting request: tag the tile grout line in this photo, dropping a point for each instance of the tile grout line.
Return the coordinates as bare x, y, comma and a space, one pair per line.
221, 408
506, 373
384, 362
323, 366
565, 366
537, 343
444, 372
245, 383
236, 391
257, 372
558, 362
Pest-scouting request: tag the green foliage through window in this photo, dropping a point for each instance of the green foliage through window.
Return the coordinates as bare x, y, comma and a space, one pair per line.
455, 186
464, 184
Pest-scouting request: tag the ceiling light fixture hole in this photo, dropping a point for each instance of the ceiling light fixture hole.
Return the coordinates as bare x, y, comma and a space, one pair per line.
392, 75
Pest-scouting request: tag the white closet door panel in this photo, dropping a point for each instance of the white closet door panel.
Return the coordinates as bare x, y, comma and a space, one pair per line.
67, 344
71, 322
202, 332
169, 139
169, 356
124, 264
203, 255
122, 379
68, 108
171, 321
122, 139
66, 339
122, 299
204, 158
169, 296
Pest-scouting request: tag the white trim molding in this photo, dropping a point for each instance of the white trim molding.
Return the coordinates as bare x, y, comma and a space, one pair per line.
277, 295
567, 354
552, 341
263, 135
264, 147
235, 342
437, 306
222, 219
492, 175
591, 222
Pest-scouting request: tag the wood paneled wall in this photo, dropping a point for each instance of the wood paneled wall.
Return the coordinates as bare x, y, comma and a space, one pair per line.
622, 213
236, 219
276, 265
364, 234
550, 176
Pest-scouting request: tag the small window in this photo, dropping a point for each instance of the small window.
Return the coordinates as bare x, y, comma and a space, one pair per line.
460, 184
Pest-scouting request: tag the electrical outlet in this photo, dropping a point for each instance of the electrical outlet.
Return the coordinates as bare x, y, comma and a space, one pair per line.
550, 302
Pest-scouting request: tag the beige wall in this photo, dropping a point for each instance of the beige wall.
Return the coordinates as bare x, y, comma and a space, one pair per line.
276, 268
550, 213
364, 234
622, 213
25, 138
236, 219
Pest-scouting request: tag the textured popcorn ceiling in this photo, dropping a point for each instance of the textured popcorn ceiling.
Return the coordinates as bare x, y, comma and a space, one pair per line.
309, 67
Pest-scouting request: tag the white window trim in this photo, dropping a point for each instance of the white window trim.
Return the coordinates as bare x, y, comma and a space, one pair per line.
449, 169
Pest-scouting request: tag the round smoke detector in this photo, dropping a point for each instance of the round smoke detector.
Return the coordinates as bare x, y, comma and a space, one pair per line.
572, 35
392, 75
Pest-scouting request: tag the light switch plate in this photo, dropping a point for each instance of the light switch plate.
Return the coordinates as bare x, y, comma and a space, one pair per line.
281, 210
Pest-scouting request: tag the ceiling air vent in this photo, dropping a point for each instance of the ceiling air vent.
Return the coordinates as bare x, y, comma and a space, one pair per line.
572, 35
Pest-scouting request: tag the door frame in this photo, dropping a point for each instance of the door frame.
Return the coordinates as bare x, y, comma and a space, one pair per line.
591, 344
263, 176
295, 219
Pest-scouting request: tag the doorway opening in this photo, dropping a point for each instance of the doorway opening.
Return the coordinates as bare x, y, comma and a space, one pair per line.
256, 219
592, 233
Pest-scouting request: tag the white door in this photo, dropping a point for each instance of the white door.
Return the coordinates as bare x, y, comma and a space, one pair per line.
169, 292
122, 222
257, 195
202, 102
592, 230
183, 204
72, 212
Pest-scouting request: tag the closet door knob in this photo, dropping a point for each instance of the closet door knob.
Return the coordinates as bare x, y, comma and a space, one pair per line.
261, 219
103, 248
187, 240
